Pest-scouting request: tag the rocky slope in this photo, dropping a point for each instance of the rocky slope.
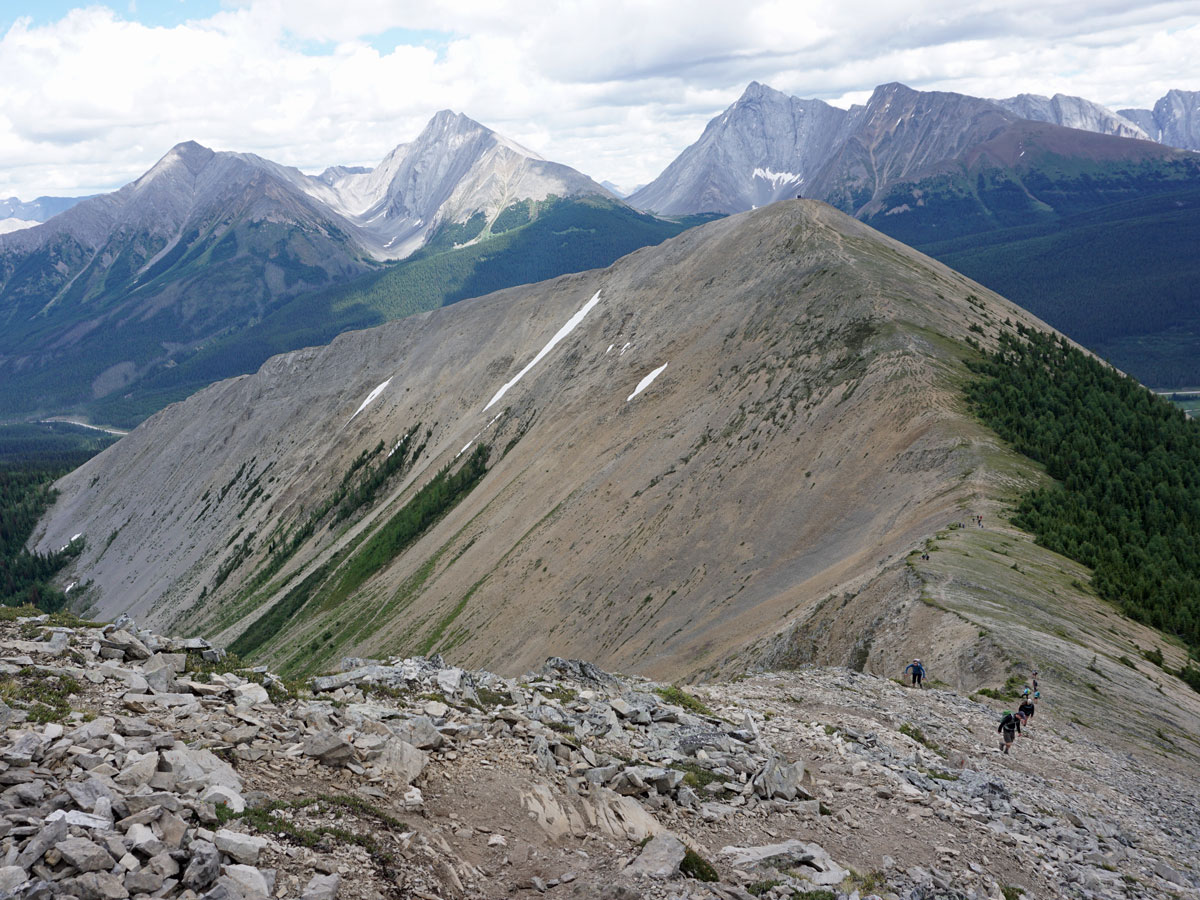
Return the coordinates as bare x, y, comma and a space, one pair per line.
1175, 119
139, 766
1074, 112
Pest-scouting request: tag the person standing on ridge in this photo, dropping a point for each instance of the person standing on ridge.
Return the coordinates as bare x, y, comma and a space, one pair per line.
918, 672
1010, 727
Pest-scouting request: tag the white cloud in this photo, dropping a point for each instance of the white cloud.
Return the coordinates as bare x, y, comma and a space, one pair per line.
615, 89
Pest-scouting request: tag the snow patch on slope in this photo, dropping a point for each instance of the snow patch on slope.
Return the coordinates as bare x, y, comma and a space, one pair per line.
777, 178
371, 396
562, 333
646, 382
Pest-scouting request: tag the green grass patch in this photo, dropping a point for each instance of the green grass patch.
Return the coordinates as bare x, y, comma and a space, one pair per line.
267, 820
44, 696
676, 695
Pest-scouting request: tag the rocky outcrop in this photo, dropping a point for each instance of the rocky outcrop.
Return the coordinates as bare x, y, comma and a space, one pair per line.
1175, 119
550, 785
1073, 112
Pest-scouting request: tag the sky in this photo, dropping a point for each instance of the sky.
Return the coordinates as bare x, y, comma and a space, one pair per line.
92, 95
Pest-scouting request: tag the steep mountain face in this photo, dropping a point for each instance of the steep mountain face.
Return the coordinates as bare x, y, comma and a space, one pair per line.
685, 453
898, 134
762, 149
1175, 119
1073, 112
768, 146
122, 284
455, 169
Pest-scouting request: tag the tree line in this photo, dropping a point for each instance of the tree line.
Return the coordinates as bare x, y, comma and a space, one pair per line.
1126, 464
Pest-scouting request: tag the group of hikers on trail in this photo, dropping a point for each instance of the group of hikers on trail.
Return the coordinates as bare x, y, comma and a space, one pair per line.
1010, 722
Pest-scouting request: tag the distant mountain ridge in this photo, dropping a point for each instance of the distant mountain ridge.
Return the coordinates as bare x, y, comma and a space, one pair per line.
1074, 112
768, 145
206, 244
1175, 119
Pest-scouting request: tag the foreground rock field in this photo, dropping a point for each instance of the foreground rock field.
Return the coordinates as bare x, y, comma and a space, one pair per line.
137, 766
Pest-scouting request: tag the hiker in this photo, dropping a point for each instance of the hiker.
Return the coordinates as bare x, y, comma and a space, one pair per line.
1027, 709
1035, 681
1010, 727
918, 672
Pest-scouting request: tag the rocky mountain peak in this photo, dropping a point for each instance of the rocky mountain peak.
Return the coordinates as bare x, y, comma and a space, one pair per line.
189, 155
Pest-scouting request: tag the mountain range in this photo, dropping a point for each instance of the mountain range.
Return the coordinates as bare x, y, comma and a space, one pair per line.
663, 462
109, 305
212, 261
888, 156
1020, 194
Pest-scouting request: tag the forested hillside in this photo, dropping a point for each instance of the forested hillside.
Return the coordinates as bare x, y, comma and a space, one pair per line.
32, 457
1127, 467
1121, 280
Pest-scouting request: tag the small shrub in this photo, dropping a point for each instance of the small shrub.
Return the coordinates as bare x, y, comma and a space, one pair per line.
1155, 656
758, 888
1190, 676
917, 735
43, 696
696, 866
1010, 892
1126, 661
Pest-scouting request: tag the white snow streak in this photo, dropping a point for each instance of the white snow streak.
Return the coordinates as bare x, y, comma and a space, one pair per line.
645, 382
609, 350
626, 347
371, 396
562, 333
481, 431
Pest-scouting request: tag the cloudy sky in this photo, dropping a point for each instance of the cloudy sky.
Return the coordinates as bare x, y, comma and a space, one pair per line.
91, 96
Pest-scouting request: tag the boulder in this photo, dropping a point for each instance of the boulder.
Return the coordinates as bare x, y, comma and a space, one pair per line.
330, 748
660, 858
779, 780
203, 867
322, 887
242, 847
400, 760
85, 855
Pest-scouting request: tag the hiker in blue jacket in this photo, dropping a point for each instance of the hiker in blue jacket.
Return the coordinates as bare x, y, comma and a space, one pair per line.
918, 672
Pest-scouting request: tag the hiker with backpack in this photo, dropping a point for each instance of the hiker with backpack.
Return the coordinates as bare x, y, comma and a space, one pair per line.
1027, 709
1009, 727
918, 672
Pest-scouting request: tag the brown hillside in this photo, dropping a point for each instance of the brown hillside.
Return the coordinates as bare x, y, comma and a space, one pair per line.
806, 434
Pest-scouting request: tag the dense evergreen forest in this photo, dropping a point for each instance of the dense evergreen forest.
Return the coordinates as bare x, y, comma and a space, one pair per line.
1127, 467
32, 457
